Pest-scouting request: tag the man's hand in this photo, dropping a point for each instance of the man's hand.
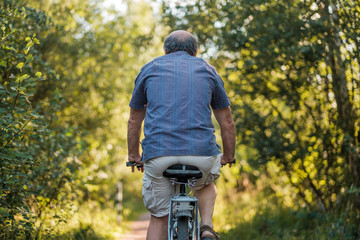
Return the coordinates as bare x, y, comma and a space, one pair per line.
227, 160
139, 164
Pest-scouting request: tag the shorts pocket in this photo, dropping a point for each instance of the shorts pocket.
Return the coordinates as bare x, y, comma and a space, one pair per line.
215, 171
148, 194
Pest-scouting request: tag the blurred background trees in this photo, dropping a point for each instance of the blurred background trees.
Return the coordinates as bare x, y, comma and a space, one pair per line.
292, 72
37, 150
293, 79
67, 69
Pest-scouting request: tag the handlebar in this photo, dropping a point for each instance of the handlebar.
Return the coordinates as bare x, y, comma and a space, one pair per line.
132, 164
233, 161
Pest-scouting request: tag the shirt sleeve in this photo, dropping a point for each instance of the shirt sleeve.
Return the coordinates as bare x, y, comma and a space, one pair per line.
138, 98
219, 97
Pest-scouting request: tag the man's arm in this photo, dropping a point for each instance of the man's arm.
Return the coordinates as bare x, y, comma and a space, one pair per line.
133, 134
227, 127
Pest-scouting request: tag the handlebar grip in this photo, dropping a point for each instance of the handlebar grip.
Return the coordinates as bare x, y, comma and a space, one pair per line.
131, 164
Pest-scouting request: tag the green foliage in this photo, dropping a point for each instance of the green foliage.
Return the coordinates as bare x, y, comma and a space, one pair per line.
67, 70
258, 212
36, 151
86, 232
289, 224
97, 60
91, 221
292, 74
293, 95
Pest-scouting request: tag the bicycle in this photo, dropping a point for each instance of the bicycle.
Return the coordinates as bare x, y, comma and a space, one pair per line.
183, 223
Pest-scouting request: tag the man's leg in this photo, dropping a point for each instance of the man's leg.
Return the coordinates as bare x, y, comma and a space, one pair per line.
157, 228
206, 201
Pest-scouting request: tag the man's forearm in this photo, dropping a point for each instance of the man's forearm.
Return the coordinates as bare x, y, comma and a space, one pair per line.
228, 140
133, 136
134, 132
227, 128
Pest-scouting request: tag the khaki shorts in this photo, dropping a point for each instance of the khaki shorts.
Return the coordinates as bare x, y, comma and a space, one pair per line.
157, 190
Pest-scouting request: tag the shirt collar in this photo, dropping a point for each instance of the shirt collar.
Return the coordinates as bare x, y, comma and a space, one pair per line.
178, 53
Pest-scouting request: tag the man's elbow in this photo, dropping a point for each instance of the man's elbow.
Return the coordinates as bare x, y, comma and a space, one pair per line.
136, 117
134, 123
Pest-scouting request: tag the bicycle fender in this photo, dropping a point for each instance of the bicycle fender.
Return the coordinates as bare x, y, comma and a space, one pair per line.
183, 214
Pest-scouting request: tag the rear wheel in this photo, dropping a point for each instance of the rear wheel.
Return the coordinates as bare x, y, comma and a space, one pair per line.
183, 228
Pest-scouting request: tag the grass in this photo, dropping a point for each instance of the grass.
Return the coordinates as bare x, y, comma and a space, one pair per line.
257, 214
289, 224
94, 222
248, 215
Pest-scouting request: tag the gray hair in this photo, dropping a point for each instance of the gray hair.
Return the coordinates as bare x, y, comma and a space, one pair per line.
181, 41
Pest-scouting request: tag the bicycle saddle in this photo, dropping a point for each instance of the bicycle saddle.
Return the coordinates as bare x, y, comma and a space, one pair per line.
180, 171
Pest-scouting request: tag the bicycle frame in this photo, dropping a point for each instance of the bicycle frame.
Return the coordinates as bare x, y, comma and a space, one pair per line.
183, 206
184, 221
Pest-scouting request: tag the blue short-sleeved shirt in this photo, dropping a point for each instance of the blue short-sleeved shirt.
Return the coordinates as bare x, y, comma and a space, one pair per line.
178, 92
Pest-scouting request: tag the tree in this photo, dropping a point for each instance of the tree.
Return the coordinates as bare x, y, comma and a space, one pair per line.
66, 70
36, 152
292, 70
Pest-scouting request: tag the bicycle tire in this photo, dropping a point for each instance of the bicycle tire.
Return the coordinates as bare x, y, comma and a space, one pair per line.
183, 228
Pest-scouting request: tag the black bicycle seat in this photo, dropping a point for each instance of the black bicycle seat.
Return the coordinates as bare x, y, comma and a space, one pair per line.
180, 171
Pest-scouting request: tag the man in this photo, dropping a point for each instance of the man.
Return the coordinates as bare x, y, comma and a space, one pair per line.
175, 93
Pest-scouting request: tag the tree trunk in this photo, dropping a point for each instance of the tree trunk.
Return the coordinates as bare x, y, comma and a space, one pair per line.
119, 199
346, 113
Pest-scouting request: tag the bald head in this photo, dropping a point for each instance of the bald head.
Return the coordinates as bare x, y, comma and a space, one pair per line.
180, 41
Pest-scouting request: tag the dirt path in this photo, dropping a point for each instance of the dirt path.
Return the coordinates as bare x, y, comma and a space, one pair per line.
139, 228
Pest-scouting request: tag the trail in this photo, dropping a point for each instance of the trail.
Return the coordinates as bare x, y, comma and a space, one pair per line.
139, 228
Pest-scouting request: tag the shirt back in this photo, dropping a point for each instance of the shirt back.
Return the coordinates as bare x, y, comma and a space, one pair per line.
178, 92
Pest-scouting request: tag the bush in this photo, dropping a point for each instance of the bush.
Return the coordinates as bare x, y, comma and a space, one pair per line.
36, 152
